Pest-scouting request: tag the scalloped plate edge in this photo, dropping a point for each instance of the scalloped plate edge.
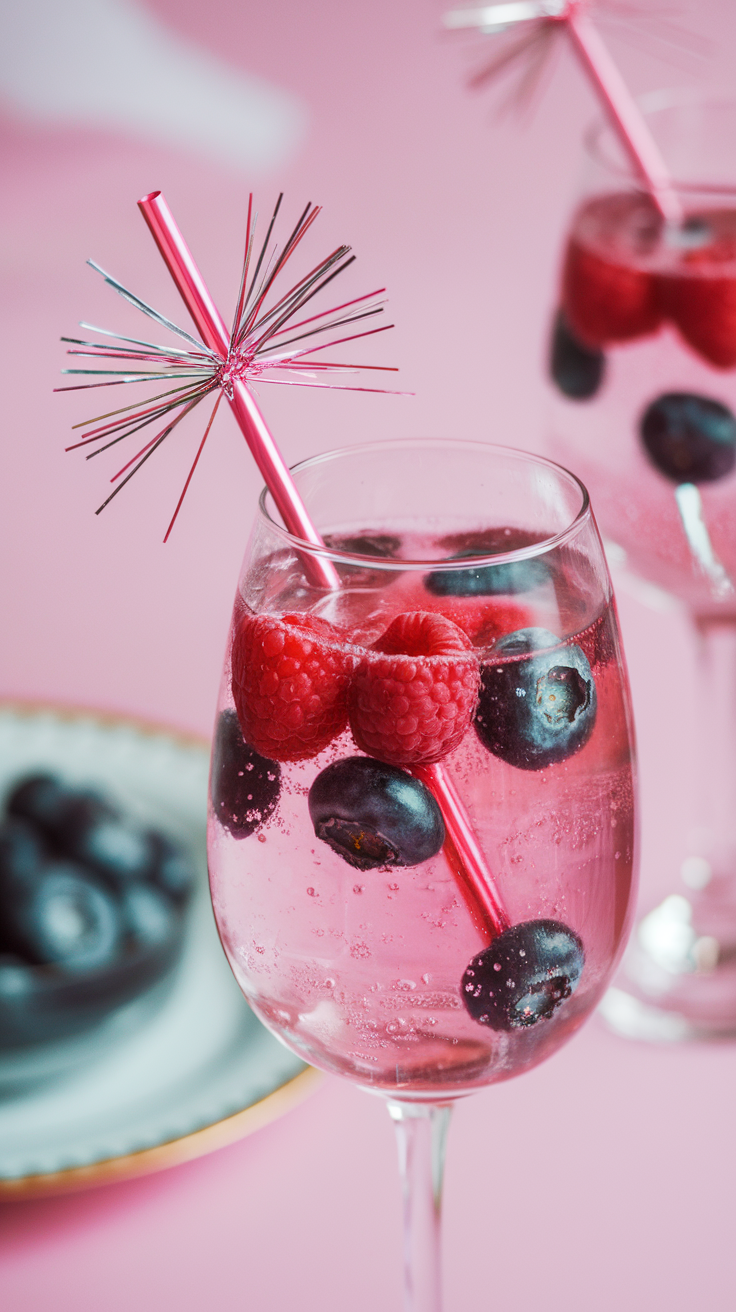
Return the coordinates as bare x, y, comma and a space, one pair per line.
173, 1153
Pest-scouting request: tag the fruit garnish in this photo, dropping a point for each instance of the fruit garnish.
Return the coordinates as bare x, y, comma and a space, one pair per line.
83, 827
466, 596
372, 814
540, 707
604, 298
481, 618
412, 696
173, 872
245, 786
22, 855
380, 546
91, 909
290, 683
65, 918
702, 300
577, 369
689, 438
505, 579
58, 811
524, 976
704, 310
150, 916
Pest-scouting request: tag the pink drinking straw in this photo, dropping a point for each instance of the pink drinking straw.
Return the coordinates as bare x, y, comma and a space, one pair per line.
621, 108
211, 327
463, 850
624, 113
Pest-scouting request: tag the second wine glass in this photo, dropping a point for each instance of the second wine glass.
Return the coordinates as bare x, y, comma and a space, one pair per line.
643, 364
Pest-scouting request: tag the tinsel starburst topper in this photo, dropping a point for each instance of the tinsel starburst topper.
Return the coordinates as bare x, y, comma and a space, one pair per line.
275, 337
264, 344
539, 24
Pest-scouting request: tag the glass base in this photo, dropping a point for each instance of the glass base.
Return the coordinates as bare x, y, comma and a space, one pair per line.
678, 979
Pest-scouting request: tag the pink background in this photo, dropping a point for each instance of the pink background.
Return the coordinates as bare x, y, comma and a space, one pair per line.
604, 1178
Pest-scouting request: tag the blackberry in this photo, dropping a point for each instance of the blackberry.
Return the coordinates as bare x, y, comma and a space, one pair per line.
245, 786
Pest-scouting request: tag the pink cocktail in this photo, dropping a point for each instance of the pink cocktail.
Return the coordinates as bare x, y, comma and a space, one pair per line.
644, 366
470, 653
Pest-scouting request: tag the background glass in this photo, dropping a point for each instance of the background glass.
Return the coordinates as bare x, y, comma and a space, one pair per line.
648, 316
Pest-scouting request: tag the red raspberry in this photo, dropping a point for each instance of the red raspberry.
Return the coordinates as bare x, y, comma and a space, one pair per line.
606, 295
413, 695
483, 619
606, 302
290, 684
703, 302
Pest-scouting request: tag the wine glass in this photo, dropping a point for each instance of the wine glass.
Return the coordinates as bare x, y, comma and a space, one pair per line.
421, 837
643, 366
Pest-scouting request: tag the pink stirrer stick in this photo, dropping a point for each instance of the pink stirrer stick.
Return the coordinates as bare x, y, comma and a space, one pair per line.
464, 852
462, 849
211, 327
623, 112
621, 108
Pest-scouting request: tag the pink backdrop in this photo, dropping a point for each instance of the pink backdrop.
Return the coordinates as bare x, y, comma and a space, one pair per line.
606, 1177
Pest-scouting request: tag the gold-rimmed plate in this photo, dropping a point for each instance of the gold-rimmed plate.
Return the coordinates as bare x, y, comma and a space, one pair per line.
187, 1070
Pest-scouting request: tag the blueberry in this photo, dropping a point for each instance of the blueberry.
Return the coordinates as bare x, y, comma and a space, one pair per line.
22, 857
366, 544
16, 977
49, 804
380, 545
117, 850
245, 786
538, 707
64, 815
578, 370
689, 438
67, 919
508, 577
524, 975
373, 814
148, 914
173, 870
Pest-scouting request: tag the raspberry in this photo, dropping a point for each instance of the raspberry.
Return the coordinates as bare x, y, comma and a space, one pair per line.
482, 619
607, 302
605, 296
413, 695
290, 684
704, 310
702, 303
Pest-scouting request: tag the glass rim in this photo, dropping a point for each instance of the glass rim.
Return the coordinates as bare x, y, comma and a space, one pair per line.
534, 549
653, 103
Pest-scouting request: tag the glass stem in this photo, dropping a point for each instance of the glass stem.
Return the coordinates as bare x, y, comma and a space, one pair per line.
421, 1135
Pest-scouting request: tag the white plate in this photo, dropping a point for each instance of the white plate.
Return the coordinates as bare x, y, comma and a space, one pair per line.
198, 1069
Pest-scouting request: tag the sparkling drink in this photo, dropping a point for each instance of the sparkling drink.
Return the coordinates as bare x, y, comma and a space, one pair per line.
654, 312
358, 946
643, 366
